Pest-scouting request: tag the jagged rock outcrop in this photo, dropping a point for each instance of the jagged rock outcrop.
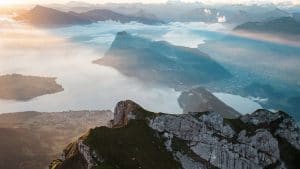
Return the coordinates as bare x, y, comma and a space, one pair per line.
124, 111
217, 143
142, 139
280, 123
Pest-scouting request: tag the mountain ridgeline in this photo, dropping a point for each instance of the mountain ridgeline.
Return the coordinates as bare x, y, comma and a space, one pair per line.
283, 25
139, 139
47, 17
162, 62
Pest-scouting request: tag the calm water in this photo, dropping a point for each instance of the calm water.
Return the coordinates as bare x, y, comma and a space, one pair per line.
67, 53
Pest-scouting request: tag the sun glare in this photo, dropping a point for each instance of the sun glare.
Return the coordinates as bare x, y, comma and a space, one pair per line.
9, 2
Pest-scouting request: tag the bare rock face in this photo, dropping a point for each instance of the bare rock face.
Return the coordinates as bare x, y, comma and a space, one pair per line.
124, 111
217, 143
280, 123
207, 140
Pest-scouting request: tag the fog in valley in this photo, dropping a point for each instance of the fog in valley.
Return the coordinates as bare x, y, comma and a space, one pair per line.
176, 84
67, 53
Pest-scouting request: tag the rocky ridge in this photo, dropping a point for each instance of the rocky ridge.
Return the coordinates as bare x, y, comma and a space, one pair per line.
189, 141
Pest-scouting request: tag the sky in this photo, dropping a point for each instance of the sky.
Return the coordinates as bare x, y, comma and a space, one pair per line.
9, 2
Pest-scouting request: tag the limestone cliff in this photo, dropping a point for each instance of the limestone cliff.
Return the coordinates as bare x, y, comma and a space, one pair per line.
142, 139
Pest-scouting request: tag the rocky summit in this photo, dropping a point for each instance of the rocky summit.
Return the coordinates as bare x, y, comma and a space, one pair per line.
138, 138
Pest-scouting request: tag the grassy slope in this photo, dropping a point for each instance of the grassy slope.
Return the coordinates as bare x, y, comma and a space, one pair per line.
134, 146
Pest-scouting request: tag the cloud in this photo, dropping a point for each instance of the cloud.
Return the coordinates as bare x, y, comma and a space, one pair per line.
30, 51
207, 11
221, 19
158, 1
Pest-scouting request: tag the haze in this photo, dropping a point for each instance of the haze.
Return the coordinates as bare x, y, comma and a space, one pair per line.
10, 2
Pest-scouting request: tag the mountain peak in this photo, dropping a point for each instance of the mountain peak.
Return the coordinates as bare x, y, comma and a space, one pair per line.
40, 7
164, 141
124, 111
128, 110
42, 16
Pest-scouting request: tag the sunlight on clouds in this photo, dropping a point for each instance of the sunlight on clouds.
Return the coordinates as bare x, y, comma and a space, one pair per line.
31, 51
11, 2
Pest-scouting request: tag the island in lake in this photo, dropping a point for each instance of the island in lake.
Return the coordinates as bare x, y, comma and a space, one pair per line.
23, 88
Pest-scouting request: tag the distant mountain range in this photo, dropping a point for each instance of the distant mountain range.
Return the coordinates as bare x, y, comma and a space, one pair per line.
48, 17
161, 62
84, 13
200, 14
185, 12
104, 14
237, 16
283, 25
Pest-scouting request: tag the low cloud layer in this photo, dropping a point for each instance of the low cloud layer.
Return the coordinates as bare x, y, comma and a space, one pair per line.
26, 50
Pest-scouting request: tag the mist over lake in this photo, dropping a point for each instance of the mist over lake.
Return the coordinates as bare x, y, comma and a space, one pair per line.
135, 84
67, 53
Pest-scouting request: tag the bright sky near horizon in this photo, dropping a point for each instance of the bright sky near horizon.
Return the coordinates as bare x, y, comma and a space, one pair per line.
9, 2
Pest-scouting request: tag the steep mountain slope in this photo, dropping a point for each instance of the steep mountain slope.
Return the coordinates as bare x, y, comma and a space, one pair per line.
141, 139
159, 61
48, 17
30, 140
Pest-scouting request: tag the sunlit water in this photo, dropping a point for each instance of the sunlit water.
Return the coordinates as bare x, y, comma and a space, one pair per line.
67, 53
240, 104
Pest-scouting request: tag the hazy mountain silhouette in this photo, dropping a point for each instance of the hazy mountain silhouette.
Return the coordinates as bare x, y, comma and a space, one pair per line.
162, 62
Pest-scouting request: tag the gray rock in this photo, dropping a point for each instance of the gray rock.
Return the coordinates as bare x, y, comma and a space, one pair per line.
282, 124
124, 111
213, 141
207, 140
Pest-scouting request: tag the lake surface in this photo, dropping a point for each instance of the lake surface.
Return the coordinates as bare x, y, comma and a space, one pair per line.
30, 51
240, 104
67, 53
